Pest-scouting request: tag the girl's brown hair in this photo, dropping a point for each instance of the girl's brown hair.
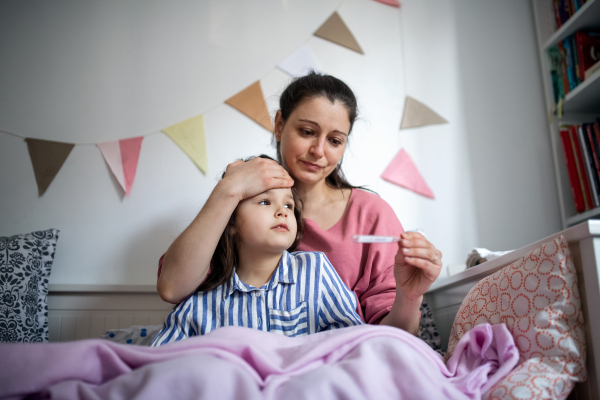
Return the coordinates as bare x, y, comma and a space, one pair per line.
226, 258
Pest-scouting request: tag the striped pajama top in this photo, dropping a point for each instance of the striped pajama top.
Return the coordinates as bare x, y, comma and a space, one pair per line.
304, 295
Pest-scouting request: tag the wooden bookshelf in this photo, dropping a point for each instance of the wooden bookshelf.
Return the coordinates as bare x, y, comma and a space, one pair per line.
582, 104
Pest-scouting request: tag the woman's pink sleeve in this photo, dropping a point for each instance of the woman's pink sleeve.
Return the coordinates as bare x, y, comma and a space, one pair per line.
380, 290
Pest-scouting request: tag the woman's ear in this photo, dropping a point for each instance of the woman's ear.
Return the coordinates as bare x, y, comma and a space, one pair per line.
278, 127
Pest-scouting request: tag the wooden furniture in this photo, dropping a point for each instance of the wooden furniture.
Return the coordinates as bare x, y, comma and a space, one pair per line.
580, 105
446, 295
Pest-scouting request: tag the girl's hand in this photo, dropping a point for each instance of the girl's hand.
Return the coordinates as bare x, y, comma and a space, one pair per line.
417, 264
247, 179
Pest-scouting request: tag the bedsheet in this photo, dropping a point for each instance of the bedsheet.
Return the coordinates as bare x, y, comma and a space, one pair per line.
373, 362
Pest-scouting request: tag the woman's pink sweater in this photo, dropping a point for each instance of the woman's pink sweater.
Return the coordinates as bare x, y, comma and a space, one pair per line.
366, 268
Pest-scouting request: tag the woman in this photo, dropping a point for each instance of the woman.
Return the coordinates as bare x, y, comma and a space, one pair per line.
317, 113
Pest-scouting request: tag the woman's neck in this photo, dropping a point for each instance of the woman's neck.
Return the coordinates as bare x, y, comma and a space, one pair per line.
313, 195
256, 267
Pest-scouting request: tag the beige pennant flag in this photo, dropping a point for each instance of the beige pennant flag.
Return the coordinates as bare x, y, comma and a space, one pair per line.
418, 114
47, 158
189, 136
251, 102
336, 31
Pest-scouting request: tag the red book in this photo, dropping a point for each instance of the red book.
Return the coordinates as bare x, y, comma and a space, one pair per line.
573, 178
583, 179
557, 14
587, 130
590, 49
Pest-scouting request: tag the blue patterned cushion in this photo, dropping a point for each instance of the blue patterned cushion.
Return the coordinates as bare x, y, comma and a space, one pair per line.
25, 265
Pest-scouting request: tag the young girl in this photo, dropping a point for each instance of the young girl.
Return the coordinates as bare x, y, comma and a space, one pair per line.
255, 282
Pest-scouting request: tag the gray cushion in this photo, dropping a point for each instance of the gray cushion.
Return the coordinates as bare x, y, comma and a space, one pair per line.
25, 265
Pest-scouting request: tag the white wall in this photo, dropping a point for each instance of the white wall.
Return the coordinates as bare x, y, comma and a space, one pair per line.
516, 199
87, 72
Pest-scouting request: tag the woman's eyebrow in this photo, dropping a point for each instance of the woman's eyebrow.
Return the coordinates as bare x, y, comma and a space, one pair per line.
314, 123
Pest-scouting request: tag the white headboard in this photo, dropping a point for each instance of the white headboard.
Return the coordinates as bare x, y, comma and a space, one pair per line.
86, 311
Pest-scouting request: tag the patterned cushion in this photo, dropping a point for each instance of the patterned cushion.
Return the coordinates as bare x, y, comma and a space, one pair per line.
428, 329
142, 335
538, 299
25, 264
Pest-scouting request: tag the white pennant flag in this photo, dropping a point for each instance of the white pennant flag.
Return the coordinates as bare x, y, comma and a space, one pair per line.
301, 62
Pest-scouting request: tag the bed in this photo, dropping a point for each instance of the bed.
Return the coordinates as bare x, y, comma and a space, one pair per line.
445, 296
89, 311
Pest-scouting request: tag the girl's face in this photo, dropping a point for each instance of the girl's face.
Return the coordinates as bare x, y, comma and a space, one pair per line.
266, 221
313, 139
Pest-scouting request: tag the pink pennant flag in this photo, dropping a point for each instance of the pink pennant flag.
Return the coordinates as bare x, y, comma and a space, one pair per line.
402, 171
393, 3
122, 157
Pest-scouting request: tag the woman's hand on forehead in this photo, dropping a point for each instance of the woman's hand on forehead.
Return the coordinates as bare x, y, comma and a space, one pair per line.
250, 178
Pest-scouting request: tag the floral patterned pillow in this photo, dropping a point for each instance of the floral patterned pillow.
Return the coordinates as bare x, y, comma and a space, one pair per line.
25, 265
538, 299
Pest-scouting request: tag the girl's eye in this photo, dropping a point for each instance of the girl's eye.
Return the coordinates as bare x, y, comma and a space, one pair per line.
290, 206
264, 202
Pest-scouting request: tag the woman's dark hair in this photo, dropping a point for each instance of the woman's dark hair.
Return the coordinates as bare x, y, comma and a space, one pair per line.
312, 86
226, 258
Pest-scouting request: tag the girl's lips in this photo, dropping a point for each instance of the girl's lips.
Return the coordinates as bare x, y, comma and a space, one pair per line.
281, 227
311, 166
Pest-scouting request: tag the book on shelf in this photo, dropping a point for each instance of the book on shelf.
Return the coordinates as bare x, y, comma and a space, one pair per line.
573, 179
585, 189
573, 60
590, 51
581, 146
588, 164
564, 9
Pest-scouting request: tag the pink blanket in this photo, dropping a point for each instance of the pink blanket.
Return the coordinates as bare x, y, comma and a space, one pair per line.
373, 362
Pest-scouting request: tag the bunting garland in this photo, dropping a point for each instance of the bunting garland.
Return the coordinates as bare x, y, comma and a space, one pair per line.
47, 157
393, 3
336, 31
122, 156
251, 102
189, 136
418, 114
402, 171
301, 62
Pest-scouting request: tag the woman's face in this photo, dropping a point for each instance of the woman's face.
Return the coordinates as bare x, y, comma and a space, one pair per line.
313, 138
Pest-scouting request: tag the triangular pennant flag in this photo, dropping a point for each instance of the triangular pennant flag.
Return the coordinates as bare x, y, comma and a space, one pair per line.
336, 31
122, 157
403, 172
189, 136
393, 3
300, 63
251, 102
418, 114
130, 154
47, 157
112, 155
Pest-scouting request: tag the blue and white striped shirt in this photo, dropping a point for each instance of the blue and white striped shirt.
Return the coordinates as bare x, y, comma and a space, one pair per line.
305, 295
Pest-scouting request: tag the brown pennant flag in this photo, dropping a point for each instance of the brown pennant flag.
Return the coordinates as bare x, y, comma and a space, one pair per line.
251, 102
418, 114
47, 158
336, 31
